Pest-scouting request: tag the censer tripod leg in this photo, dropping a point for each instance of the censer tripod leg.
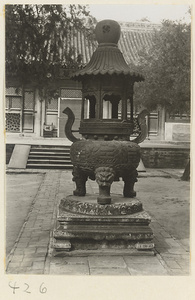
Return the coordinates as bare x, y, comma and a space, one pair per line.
80, 179
129, 181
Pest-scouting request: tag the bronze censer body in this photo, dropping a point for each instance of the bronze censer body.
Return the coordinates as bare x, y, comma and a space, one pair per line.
105, 154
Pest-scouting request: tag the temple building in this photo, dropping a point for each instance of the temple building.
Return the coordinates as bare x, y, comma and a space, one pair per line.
28, 115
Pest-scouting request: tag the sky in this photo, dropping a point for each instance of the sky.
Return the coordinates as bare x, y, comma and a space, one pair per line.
132, 13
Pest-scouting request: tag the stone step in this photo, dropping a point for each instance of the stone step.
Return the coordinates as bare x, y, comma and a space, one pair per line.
49, 156
48, 161
48, 153
45, 150
48, 166
50, 147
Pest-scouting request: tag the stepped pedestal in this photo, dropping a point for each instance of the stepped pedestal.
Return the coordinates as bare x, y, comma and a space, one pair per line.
87, 228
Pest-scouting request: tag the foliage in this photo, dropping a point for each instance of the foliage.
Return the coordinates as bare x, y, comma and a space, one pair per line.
35, 34
166, 68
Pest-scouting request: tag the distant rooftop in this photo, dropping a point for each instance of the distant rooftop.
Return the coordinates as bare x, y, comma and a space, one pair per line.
134, 36
139, 26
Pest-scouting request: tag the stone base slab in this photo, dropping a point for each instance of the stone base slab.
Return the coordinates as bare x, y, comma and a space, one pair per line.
110, 232
88, 205
104, 252
19, 157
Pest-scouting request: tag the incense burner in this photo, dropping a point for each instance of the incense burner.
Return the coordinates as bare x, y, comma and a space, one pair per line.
105, 152
100, 223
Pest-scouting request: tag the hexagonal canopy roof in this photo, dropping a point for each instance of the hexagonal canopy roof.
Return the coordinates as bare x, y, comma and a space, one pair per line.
107, 58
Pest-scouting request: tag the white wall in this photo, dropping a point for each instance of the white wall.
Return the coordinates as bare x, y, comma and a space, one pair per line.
177, 132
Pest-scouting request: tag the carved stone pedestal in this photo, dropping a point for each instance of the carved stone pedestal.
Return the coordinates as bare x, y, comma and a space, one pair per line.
88, 228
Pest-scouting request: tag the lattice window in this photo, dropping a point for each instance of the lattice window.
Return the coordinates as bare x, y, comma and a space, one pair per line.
28, 99
52, 104
13, 91
67, 93
13, 122
14, 102
7, 102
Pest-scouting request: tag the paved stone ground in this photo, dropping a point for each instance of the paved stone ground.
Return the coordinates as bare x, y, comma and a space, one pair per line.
163, 195
24, 193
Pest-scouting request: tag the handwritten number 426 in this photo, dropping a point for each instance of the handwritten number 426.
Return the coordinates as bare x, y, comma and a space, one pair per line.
42, 288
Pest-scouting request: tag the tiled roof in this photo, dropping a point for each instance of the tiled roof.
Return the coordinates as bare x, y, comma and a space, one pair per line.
139, 26
131, 42
132, 39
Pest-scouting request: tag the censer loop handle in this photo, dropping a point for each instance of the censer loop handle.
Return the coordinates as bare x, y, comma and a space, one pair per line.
143, 126
68, 126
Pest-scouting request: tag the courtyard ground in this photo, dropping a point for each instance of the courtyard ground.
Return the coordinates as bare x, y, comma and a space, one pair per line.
31, 206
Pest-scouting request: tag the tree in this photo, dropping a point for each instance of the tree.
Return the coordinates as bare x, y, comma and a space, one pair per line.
166, 68
34, 35
186, 174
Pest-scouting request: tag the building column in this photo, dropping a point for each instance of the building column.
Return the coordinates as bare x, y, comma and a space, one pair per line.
162, 120
43, 115
37, 114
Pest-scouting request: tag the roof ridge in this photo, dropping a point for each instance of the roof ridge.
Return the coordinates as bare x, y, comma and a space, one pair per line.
131, 26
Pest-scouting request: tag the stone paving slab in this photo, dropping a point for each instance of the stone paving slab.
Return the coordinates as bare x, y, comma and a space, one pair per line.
106, 261
36, 228
109, 272
69, 269
20, 199
147, 269
141, 260
32, 252
70, 260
